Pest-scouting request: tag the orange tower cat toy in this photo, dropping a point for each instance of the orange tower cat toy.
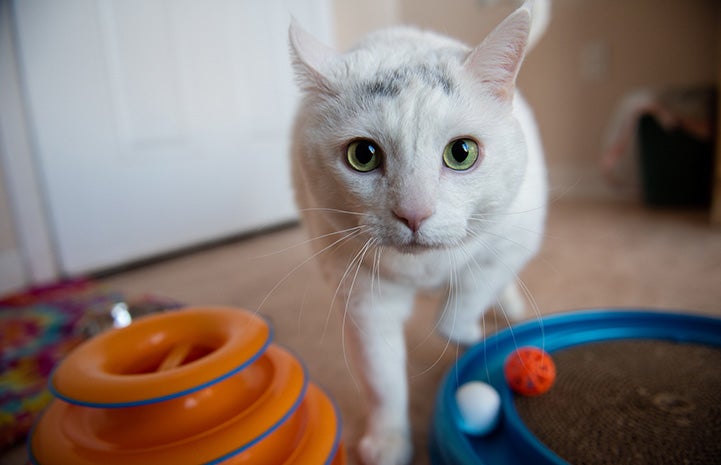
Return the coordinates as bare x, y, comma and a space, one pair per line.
188, 387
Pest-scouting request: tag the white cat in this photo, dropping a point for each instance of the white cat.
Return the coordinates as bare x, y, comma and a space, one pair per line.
417, 164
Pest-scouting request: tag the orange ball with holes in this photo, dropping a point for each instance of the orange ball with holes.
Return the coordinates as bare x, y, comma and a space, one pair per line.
529, 371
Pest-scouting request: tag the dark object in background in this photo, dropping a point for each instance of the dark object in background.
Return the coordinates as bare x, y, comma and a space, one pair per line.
676, 167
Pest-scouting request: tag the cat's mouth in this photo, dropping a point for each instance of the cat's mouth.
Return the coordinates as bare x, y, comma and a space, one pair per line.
416, 246
415, 243
413, 249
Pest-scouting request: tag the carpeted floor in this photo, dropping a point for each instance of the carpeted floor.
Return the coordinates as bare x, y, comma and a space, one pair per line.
595, 254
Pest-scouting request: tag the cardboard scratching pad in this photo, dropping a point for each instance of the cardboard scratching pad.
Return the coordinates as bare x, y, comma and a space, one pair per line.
630, 402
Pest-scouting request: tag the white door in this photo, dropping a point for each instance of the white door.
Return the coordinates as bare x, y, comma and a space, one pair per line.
159, 124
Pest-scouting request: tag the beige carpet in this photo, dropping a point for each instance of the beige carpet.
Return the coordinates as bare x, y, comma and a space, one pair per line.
595, 255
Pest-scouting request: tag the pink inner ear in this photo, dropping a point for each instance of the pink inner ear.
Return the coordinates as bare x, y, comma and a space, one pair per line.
308, 49
497, 60
311, 58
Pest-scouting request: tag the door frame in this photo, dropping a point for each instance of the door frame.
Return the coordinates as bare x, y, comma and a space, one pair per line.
22, 178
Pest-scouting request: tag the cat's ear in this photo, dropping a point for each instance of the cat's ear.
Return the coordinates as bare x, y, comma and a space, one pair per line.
497, 60
310, 59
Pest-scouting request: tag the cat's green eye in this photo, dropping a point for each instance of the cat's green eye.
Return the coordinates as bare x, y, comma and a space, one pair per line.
461, 154
363, 155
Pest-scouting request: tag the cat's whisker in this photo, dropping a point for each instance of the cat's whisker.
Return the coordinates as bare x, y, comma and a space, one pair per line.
376, 273
455, 273
501, 261
484, 329
360, 257
346, 314
348, 366
479, 235
535, 208
302, 308
483, 218
554, 197
308, 241
451, 295
340, 284
526, 291
469, 265
354, 232
370, 243
516, 243
452, 283
502, 237
550, 201
536, 309
558, 193
445, 306
332, 210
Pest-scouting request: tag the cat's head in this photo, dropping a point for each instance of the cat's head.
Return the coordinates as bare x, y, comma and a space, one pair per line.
412, 130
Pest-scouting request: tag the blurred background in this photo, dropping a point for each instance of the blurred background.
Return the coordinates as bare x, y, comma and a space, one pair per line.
130, 129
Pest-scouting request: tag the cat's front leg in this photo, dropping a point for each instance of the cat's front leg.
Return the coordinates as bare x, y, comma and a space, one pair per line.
466, 303
376, 343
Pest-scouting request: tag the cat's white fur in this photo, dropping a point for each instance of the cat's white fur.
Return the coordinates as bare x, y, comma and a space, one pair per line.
414, 223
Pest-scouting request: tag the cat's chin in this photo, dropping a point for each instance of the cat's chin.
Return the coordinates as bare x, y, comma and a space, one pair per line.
416, 248
413, 249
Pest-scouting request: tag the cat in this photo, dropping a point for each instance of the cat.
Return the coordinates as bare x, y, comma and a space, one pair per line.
416, 164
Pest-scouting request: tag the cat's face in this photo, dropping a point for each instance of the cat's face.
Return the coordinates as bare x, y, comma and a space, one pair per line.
404, 132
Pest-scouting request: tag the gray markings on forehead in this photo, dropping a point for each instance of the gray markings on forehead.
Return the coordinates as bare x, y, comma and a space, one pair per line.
390, 83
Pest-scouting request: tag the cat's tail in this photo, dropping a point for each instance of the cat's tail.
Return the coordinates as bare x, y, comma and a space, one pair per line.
540, 17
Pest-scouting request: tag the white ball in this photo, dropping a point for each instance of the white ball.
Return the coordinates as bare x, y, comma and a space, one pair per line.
480, 406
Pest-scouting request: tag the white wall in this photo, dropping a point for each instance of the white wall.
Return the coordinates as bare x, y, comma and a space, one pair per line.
354, 19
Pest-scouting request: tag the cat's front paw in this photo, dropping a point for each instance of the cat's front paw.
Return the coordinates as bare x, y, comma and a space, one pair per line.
454, 329
511, 303
386, 447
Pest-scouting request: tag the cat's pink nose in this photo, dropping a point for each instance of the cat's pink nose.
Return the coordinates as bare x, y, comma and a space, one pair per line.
412, 217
